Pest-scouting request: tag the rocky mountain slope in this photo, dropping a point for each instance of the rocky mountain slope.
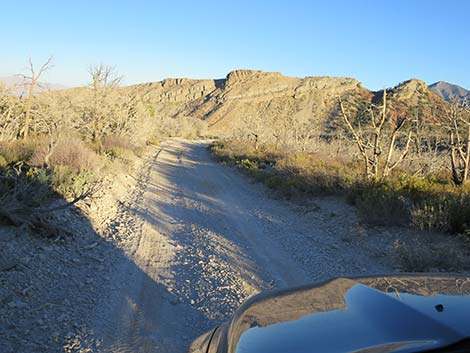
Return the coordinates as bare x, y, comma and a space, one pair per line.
247, 95
266, 97
451, 92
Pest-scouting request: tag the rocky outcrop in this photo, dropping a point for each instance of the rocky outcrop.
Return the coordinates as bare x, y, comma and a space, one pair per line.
224, 103
173, 90
242, 75
265, 96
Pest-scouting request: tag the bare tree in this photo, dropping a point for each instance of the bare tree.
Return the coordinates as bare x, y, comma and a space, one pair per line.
379, 134
31, 81
104, 79
456, 121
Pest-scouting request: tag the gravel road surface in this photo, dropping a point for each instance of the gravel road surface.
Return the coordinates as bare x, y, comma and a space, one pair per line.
201, 238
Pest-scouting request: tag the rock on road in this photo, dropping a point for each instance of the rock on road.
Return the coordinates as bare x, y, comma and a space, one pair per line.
208, 239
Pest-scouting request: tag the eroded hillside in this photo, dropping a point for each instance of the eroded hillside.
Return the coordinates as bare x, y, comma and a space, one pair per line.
248, 96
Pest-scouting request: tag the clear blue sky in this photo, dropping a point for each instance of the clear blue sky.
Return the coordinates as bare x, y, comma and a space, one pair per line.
378, 42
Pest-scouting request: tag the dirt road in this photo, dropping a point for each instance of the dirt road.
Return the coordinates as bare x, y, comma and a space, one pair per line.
204, 239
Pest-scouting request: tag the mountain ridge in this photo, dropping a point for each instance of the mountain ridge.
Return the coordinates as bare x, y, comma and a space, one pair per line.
269, 97
17, 84
451, 92
266, 99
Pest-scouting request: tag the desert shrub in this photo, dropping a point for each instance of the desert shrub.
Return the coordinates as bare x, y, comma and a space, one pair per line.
123, 154
26, 193
415, 258
120, 147
189, 128
418, 189
16, 151
72, 153
276, 182
69, 182
430, 216
186, 127
318, 176
22, 188
112, 141
289, 186
459, 214
235, 151
248, 164
380, 206
139, 151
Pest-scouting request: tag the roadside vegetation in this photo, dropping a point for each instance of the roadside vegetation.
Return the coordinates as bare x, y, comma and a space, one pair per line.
399, 165
57, 147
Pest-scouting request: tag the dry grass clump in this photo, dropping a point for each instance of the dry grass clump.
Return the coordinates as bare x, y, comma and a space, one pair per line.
72, 153
439, 257
120, 151
319, 176
20, 150
112, 141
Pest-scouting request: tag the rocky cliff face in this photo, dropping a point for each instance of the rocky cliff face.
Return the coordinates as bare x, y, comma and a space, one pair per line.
247, 94
266, 97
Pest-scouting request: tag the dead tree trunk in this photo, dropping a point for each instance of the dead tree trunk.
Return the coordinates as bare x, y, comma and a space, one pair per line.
457, 122
370, 140
32, 82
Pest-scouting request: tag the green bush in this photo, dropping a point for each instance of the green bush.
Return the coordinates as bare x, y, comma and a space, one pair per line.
379, 206
430, 216
68, 182
120, 153
248, 165
459, 214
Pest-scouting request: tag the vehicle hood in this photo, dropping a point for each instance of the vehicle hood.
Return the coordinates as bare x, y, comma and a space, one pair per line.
379, 314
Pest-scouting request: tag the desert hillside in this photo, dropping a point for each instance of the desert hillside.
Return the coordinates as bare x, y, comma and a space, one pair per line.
253, 97
451, 92
243, 95
205, 192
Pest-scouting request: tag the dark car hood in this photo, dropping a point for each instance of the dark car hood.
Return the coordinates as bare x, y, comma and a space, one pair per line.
386, 314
